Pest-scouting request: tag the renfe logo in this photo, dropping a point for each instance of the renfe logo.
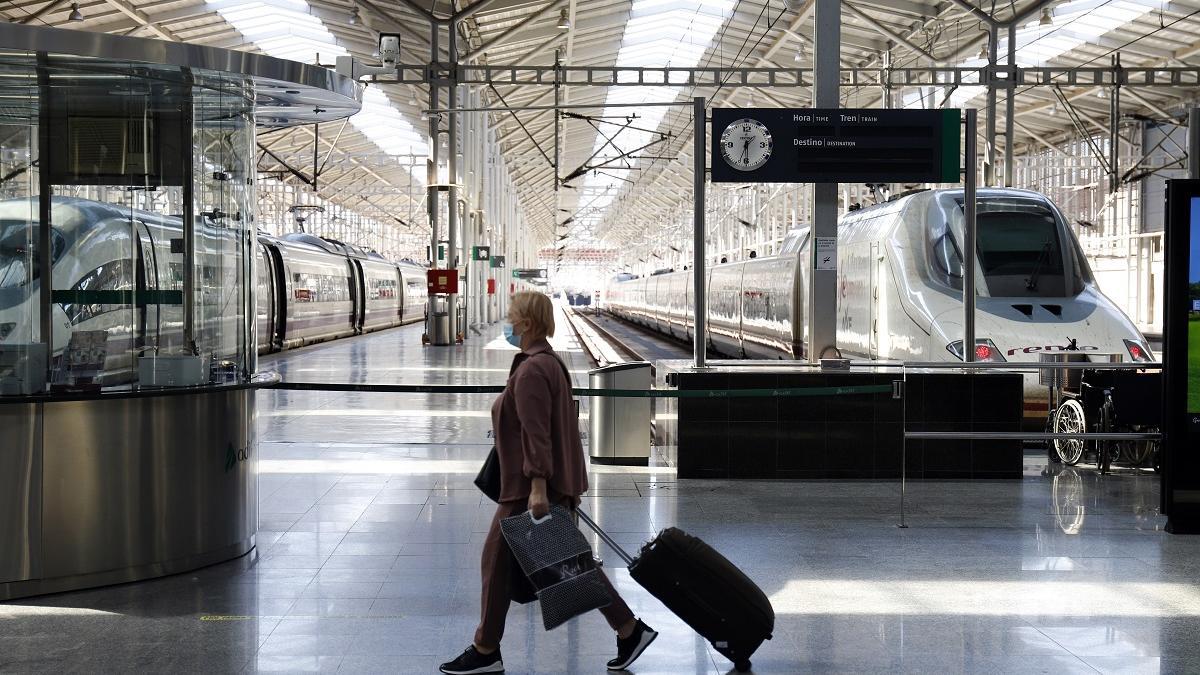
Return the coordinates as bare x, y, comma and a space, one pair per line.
1052, 348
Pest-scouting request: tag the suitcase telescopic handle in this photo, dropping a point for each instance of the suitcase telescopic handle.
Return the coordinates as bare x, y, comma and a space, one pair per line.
604, 535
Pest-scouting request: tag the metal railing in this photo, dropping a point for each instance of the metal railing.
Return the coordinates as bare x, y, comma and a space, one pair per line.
1023, 368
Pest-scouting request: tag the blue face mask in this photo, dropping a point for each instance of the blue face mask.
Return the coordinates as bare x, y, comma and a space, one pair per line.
511, 336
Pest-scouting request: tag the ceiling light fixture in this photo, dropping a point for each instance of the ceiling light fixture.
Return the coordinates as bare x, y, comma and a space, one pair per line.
354, 18
563, 21
1047, 17
75, 15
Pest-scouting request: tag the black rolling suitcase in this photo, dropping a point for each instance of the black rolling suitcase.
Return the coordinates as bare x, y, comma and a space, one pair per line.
703, 588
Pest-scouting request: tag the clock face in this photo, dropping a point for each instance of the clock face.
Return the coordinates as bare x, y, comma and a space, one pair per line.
746, 144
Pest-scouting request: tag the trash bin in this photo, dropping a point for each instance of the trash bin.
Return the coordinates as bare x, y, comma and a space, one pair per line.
620, 427
439, 323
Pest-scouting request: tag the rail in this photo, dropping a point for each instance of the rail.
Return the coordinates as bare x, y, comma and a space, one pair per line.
798, 392
601, 346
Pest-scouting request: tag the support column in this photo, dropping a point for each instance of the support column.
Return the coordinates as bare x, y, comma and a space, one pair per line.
969, 209
699, 151
431, 173
1194, 143
989, 152
452, 156
822, 286
1010, 111
1114, 132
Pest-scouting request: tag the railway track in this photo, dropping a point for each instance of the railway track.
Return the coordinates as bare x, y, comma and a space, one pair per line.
602, 347
610, 340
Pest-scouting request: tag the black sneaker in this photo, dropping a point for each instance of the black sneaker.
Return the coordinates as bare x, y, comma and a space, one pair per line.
471, 662
630, 648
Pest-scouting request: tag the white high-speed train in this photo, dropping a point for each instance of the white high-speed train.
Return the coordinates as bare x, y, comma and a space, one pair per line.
308, 289
899, 288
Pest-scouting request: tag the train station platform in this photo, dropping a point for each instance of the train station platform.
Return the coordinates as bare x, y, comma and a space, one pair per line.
370, 532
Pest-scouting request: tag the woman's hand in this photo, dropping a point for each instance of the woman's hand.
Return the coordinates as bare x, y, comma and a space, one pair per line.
539, 502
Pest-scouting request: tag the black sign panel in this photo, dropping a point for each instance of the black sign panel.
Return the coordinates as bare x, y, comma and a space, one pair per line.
1181, 359
782, 145
530, 274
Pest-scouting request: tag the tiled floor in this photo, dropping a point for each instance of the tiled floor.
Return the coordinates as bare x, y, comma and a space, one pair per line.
370, 534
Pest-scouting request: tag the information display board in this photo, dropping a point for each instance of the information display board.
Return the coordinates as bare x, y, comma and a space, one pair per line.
787, 145
530, 274
1181, 359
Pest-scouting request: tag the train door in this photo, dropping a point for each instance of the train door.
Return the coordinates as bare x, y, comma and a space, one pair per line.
876, 266
265, 310
401, 297
146, 279
279, 305
358, 294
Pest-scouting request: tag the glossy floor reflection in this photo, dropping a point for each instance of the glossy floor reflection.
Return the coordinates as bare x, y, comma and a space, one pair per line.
367, 558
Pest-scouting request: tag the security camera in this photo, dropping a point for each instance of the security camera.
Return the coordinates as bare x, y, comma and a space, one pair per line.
389, 48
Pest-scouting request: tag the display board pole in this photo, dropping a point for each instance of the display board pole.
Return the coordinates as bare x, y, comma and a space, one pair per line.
1194, 143
699, 150
968, 253
822, 286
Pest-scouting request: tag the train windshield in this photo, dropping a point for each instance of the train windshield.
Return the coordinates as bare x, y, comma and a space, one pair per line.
1022, 248
18, 253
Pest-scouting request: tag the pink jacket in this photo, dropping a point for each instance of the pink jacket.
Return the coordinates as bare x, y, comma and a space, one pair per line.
537, 428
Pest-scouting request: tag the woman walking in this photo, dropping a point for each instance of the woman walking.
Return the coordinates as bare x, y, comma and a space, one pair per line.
541, 463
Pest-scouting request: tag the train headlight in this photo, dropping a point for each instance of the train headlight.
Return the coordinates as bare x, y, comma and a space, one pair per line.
6, 329
1138, 351
985, 350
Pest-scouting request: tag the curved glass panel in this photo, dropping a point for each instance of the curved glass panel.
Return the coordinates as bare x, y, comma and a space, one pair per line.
141, 207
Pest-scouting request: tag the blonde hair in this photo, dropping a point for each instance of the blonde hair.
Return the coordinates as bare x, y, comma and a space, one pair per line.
537, 310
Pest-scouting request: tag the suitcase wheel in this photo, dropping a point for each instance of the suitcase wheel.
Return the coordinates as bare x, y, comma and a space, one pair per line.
742, 666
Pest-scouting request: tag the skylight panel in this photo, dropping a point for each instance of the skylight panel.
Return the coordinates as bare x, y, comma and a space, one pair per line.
286, 29
1075, 24
659, 34
381, 123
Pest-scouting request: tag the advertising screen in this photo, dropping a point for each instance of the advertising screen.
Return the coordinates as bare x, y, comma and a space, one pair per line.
1193, 330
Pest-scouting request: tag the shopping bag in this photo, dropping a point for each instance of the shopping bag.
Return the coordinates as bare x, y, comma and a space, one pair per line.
558, 562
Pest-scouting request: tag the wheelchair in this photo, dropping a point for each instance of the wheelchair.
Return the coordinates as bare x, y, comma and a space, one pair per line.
1109, 401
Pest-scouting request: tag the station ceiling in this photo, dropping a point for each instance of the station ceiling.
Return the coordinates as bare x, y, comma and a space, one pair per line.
375, 163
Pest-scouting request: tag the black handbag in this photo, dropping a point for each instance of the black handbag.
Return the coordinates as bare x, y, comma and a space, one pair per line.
488, 478
488, 482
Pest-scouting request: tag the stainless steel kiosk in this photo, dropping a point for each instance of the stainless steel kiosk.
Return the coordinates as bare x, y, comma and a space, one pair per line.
620, 427
127, 266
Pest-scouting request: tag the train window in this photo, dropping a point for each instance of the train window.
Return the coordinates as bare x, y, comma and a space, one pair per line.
116, 275
1019, 249
947, 259
18, 252
320, 287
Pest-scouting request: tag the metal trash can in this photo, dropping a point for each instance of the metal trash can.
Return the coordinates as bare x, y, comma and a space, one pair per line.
620, 427
439, 323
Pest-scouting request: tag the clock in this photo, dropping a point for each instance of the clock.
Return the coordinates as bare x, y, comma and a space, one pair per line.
746, 144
